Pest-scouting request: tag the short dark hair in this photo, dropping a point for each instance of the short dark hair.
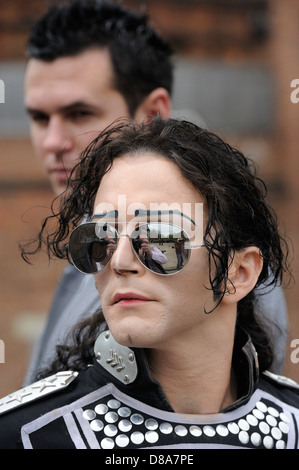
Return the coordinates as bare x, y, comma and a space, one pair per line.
141, 58
238, 214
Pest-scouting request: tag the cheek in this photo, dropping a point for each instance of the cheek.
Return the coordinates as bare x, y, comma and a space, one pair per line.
194, 283
100, 283
104, 282
186, 291
36, 137
81, 137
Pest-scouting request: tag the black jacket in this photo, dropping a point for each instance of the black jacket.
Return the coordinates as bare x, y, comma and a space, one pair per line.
116, 404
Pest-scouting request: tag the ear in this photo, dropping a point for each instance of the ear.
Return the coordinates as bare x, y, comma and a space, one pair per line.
157, 102
243, 273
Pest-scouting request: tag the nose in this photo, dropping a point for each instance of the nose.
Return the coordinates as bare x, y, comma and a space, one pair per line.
57, 138
124, 260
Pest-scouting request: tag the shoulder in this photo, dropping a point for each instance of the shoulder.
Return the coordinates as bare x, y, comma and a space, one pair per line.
282, 380
40, 415
40, 389
283, 388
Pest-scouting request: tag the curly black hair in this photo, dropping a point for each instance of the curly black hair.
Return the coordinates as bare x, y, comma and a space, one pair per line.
238, 214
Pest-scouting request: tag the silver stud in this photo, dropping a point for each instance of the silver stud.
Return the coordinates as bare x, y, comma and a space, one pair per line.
137, 437
125, 425
151, 424
136, 418
284, 417
114, 404
273, 411
243, 437
264, 427
209, 431
261, 406
110, 430
243, 425
122, 440
126, 379
97, 425
268, 442
131, 357
166, 428
284, 427
256, 439
195, 431
89, 415
180, 430
252, 420
222, 430
111, 417
101, 409
280, 445
107, 443
271, 420
124, 412
276, 433
151, 437
107, 335
258, 414
233, 428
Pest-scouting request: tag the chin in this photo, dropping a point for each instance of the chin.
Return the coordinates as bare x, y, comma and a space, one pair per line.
59, 187
131, 336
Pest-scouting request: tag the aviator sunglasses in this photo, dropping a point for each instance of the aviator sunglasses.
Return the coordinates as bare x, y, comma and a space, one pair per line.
161, 247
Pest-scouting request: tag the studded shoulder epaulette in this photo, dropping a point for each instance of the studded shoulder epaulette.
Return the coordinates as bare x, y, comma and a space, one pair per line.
39, 389
282, 380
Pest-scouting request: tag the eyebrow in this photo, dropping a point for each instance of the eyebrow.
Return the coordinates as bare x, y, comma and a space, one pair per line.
67, 108
142, 213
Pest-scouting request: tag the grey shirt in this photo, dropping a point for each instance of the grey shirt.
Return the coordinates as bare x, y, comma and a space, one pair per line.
76, 298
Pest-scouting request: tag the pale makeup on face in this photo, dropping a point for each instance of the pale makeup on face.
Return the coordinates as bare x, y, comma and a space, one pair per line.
143, 309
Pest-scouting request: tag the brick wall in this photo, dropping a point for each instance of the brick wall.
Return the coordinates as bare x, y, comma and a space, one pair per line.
285, 59
227, 31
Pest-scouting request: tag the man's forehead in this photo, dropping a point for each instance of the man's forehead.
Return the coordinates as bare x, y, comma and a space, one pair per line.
87, 63
144, 214
88, 68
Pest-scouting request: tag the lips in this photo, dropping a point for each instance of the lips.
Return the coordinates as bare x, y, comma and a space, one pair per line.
61, 173
129, 298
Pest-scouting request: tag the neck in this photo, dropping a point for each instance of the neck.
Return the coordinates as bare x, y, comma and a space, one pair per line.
197, 379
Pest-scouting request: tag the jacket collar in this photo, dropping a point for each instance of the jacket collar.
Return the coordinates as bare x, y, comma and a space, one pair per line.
129, 370
246, 367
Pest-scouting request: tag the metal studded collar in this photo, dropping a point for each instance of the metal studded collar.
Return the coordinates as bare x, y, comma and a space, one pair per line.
124, 364
118, 360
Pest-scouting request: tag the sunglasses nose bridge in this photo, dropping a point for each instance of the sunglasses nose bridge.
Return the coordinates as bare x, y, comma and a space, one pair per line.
123, 235
124, 257
127, 235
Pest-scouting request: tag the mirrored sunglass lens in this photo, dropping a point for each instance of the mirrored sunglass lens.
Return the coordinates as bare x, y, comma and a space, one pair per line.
91, 246
161, 247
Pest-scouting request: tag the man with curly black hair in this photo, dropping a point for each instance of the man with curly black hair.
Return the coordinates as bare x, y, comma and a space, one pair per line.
176, 358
